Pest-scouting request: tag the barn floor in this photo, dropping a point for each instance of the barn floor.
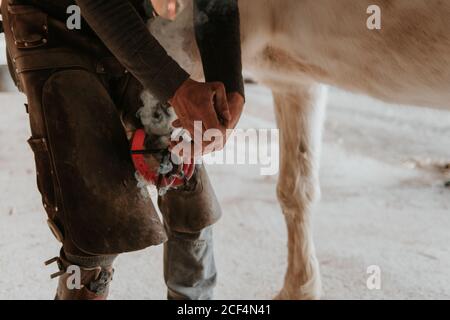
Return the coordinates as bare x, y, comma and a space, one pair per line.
384, 203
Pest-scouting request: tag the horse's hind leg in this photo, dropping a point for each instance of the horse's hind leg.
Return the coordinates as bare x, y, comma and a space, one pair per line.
300, 114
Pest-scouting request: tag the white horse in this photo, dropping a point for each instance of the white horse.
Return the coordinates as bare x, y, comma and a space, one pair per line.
296, 47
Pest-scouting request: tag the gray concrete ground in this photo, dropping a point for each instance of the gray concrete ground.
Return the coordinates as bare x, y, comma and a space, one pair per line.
384, 203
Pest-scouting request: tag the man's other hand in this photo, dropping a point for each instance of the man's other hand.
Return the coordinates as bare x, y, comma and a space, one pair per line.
210, 104
205, 102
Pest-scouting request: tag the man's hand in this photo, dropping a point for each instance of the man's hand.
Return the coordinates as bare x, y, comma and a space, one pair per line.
205, 102
208, 103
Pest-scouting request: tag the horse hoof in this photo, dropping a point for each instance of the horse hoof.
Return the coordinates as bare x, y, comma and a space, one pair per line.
297, 295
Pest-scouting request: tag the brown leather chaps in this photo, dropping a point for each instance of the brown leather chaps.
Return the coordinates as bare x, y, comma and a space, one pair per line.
77, 96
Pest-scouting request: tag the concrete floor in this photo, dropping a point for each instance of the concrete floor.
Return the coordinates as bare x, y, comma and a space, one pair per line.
384, 203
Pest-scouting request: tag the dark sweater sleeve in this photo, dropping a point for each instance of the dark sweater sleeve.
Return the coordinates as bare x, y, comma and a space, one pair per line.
217, 28
119, 26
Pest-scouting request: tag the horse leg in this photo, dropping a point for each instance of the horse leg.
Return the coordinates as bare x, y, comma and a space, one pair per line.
300, 114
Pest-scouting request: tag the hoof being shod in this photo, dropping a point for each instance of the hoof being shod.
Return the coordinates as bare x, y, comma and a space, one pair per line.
298, 294
154, 163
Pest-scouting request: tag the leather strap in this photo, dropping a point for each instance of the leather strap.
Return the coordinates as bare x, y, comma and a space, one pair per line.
52, 59
55, 59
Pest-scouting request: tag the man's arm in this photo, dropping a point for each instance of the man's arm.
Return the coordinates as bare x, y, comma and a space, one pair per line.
120, 27
217, 26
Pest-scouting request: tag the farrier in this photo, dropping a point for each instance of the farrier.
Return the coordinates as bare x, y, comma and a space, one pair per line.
79, 84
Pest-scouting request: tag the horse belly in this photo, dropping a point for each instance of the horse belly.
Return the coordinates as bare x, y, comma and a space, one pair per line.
407, 61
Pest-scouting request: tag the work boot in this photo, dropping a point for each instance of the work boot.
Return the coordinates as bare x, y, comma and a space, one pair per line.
80, 283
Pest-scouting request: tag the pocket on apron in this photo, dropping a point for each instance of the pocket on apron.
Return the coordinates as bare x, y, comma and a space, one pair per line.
29, 26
